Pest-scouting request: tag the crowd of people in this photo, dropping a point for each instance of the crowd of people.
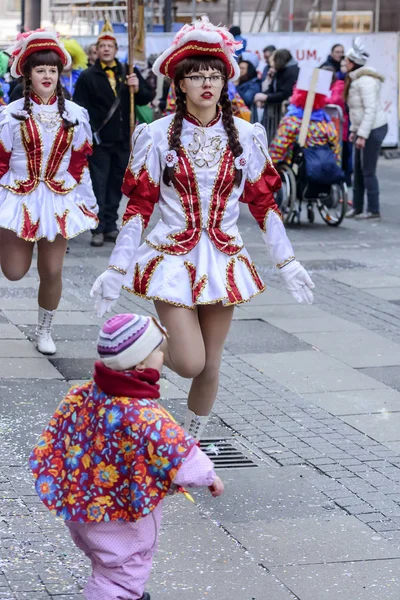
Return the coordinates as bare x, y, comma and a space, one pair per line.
355, 89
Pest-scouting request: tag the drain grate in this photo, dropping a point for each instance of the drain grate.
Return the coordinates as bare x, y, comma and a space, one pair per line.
232, 453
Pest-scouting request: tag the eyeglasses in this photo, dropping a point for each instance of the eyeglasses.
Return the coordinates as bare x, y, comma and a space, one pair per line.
197, 81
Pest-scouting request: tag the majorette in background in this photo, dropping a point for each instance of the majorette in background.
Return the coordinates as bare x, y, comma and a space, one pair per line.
45, 187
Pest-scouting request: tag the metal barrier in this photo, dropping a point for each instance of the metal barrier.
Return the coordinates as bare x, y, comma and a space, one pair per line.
270, 117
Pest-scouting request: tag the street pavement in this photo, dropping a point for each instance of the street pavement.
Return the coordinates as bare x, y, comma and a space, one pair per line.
309, 404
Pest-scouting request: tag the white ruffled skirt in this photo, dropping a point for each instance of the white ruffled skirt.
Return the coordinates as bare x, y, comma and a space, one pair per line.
45, 214
203, 276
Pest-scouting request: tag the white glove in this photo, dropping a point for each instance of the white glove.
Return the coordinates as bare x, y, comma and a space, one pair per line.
106, 290
298, 282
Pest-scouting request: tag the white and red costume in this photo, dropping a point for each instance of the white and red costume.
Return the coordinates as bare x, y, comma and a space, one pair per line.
195, 254
45, 186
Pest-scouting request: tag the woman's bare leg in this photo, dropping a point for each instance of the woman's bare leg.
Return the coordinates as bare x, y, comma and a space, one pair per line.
215, 321
184, 350
194, 350
50, 265
15, 255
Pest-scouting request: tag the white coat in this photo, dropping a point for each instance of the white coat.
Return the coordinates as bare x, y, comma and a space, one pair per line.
364, 101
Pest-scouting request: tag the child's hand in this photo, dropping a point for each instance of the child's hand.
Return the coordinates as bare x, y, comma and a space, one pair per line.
217, 487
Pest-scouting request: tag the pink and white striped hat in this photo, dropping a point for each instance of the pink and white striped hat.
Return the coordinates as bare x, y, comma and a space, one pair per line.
126, 340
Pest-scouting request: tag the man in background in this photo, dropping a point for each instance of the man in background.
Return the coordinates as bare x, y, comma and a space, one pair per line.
103, 90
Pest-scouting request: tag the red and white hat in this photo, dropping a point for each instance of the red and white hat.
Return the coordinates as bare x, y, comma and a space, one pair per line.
36, 41
201, 38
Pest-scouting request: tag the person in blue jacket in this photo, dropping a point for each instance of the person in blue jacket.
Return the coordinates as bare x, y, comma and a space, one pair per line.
248, 84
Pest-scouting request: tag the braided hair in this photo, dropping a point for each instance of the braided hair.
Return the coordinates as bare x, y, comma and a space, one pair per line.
188, 66
175, 135
38, 59
231, 131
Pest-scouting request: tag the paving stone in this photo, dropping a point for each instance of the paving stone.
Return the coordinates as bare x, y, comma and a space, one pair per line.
29, 317
309, 371
27, 282
78, 350
366, 279
357, 349
24, 303
293, 324
381, 427
74, 368
386, 293
395, 446
10, 332
355, 580
349, 540
240, 582
258, 336
388, 375
18, 349
27, 368
353, 402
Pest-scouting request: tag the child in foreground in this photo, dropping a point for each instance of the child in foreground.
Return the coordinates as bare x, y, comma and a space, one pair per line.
111, 453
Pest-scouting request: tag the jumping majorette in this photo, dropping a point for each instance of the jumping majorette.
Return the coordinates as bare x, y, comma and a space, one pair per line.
198, 165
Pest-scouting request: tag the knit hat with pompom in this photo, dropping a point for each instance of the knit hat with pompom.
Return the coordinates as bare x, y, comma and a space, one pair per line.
126, 340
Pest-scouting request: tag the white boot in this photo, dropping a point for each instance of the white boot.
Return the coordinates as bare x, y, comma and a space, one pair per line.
195, 424
44, 341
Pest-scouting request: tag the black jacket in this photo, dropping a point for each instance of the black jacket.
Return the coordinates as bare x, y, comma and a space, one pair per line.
281, 87
331, 62
93, 92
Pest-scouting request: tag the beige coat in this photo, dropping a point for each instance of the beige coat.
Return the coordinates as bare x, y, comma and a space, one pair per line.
365, 106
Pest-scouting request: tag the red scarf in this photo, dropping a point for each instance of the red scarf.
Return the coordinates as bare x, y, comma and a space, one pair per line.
131, 384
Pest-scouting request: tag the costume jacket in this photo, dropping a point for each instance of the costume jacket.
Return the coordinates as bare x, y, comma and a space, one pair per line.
195, 254
364, 101
93, 91
281, 87
111, 452
321, 132
336, 96
45, 186
248, 89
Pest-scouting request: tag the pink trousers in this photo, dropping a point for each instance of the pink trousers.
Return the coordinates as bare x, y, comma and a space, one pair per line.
121, 555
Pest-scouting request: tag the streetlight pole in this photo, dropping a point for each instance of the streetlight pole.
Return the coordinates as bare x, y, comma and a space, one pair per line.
168, 15
291, 15
334, 15
377, 14
229, 15
22, 15
194, 9
32, 14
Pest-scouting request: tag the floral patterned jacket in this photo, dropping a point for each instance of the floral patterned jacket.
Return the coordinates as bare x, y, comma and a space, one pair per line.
105, 457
